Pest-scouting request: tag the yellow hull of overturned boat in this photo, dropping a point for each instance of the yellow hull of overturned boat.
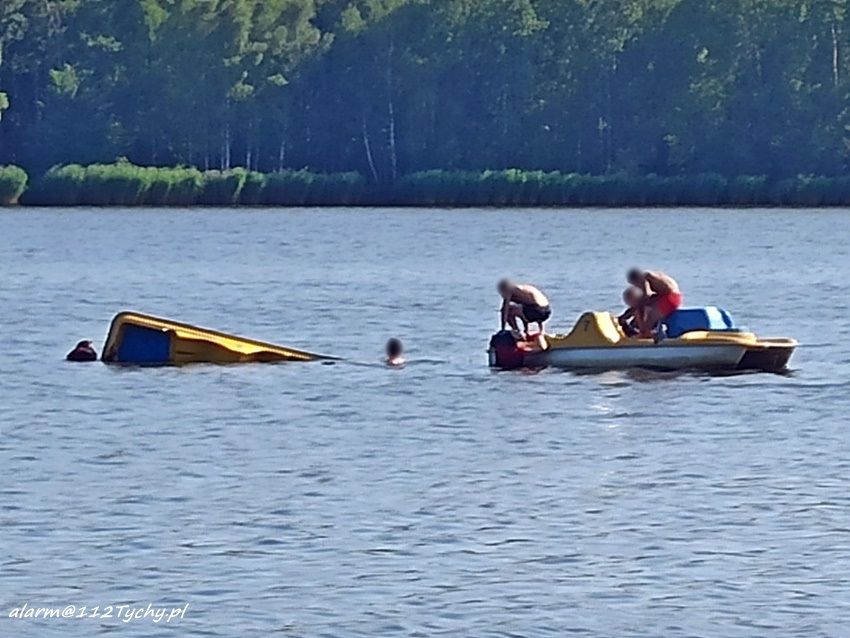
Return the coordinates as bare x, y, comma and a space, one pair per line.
137, 339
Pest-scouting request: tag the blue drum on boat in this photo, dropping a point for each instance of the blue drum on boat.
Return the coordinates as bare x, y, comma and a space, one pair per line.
709, 318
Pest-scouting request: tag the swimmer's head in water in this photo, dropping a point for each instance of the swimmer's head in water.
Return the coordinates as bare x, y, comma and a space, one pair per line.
394, 348
83, 351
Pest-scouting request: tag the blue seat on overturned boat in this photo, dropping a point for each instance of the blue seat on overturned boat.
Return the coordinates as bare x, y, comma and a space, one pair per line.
690, 319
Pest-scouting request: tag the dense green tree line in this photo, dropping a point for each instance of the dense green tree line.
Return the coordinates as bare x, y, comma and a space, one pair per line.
387, 88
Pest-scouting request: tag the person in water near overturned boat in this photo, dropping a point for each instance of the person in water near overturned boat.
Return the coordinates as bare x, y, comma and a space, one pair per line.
395, 353
661, 297
525, 303
83, 351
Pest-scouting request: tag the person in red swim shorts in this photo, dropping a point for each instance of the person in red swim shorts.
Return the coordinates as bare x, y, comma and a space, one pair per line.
661, 297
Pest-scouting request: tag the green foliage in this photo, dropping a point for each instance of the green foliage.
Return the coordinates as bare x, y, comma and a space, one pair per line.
65, 81
13, 182
222, 187
60, 186
113, 185
747, 190
125, 184
303, 188
252, 189
537, 188
628, 89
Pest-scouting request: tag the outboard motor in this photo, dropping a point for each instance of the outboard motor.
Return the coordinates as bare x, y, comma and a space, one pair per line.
504, 352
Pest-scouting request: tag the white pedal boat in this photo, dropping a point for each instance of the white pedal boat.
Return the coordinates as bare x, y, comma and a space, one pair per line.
597, 342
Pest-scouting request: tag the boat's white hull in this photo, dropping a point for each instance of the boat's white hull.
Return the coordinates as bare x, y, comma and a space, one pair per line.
597, 342
672, 357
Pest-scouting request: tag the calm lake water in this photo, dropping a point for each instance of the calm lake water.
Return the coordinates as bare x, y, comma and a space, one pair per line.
442, 498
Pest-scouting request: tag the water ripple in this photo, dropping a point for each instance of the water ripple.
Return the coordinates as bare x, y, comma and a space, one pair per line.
442, 498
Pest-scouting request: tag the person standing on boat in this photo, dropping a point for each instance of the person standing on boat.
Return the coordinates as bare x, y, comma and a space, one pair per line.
523, 302
661, 297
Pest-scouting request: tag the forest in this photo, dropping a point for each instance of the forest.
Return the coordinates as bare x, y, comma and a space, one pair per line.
389, 88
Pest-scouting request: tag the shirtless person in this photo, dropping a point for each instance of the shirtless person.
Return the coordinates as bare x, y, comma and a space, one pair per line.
661, 296
523, 302
632, 297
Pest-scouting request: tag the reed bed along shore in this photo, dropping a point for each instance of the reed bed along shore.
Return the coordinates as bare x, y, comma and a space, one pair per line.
13, 183
125, 184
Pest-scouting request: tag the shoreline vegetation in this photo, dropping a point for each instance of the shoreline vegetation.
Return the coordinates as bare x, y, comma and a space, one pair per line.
391, 89
127, 185
13, 184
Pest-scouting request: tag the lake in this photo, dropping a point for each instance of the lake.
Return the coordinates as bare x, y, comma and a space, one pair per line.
438, 499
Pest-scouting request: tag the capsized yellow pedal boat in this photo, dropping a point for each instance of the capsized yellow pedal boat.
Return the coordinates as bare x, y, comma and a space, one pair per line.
696, 339
136, 339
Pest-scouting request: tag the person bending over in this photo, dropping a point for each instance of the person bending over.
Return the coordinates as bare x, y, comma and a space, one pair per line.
525, 303
632, 297
661, 296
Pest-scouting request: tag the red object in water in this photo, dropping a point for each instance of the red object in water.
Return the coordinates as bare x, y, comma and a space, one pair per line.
82, 352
